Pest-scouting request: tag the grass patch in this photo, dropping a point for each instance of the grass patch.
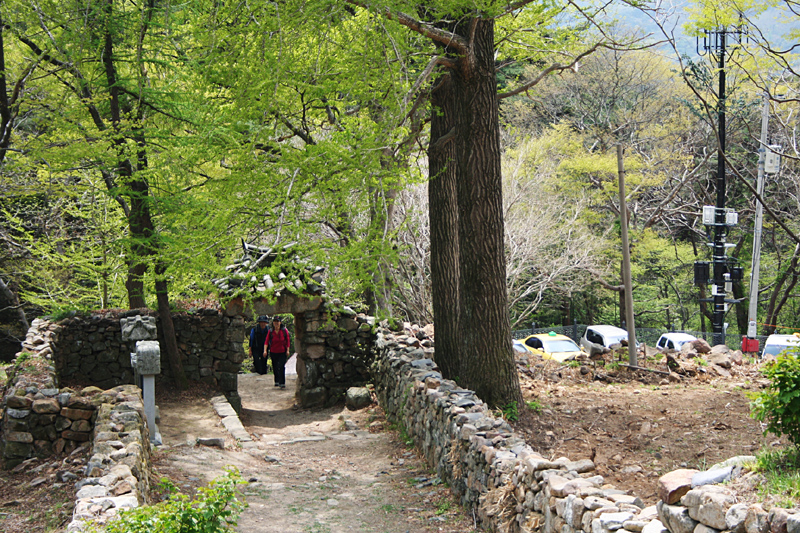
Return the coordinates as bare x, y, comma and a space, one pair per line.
782, 472
535, 405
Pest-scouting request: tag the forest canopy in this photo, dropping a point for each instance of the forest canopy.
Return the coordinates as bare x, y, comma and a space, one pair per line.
143, 141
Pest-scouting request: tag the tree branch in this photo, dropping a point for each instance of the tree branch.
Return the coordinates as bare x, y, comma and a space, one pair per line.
556, 67
458, 43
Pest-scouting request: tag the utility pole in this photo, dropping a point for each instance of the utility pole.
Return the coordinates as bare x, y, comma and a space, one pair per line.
718, 217
768, 163
720, 228
626, 262
752, 309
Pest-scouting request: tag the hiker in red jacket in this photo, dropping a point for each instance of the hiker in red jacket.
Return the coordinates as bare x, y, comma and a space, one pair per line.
277, 345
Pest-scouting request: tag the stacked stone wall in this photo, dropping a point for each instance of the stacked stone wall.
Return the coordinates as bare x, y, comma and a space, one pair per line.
493, 471
90, 349
512, 488
335, 351
705, 502
40, 419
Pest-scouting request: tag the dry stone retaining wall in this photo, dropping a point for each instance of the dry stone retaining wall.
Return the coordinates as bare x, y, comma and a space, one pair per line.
117, 473
335, 351
512, 488
40, 419
90, 349
695, 502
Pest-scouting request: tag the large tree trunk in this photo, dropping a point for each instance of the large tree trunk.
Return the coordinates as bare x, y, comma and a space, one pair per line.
381, 214
134, 284
12, 298
443, 219
168, 329
487, 363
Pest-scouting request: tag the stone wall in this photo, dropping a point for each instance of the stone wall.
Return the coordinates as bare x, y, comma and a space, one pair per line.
90, 349
698, 502
512, 488
333, 343
335, 350
40, 419
492, 470
118, 471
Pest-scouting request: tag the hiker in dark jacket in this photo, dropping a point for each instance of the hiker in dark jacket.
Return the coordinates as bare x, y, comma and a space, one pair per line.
258, 339
277, 345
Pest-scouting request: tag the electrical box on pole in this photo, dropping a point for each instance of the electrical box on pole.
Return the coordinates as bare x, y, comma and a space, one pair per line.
772, 160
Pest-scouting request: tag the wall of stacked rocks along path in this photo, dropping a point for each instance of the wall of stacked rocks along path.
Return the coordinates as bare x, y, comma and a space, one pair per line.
491, 470
513, 488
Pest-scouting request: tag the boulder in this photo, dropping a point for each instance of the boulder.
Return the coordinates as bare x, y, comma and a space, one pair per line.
778, 520
719, 358
700, 346
757, 520
672, 486
358, 398
793, 523
713, 476
655, 527
734, 518
709, 504
676, 518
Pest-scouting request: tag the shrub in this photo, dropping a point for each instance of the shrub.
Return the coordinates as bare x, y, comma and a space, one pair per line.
535, 406
779, 403
510, 412
215, 509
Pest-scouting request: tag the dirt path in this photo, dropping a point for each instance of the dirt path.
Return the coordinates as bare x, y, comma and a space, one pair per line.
308, 471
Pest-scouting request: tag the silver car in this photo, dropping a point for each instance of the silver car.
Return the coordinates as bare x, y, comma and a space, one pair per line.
605, 336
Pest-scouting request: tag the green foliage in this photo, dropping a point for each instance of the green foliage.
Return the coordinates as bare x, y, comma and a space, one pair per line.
779, 403
216, 509
510, 412
534, 405
782, 472
443, 507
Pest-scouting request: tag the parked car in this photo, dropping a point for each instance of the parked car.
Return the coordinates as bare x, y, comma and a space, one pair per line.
674, 340
603, 335
520, 348
552, 346
777, 343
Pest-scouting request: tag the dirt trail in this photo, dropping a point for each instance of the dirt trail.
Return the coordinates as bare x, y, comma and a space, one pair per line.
309, 471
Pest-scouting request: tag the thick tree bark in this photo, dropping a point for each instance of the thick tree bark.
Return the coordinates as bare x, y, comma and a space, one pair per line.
168, 329
381, 214
11, 297
443, 219
487, 363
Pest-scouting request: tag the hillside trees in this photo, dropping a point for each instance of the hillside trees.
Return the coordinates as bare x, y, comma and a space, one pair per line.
616, 97
321, 124
111, 109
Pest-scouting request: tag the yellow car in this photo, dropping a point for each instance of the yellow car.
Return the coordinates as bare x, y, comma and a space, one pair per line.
552, 346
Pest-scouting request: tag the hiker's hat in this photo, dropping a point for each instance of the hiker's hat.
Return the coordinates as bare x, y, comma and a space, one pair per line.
263, 318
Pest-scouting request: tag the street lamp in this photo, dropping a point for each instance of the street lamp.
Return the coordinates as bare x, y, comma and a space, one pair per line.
717, 217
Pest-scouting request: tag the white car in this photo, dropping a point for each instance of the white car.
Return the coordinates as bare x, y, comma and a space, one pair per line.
674, 341
777, 343
603, 335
